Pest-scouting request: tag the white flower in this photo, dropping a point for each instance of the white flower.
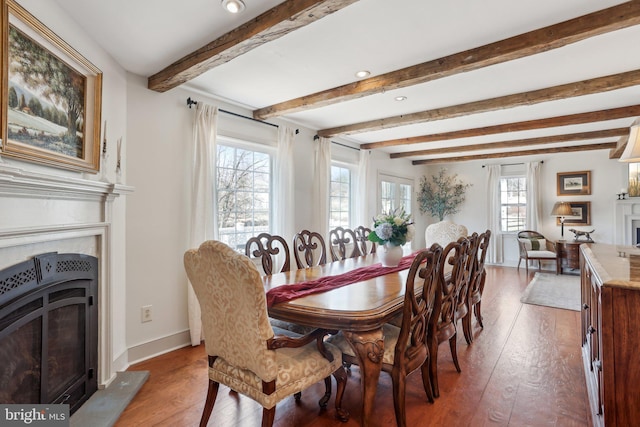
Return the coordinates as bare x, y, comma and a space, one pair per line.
384, 231
398, 221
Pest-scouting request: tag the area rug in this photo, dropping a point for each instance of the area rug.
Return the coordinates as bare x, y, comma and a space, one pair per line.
105, 406
551, 290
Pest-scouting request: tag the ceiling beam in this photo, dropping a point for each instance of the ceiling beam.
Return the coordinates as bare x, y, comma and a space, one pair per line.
553, 139
616, 152
585, 147
531, 43
571, 119
272, 24
554, 93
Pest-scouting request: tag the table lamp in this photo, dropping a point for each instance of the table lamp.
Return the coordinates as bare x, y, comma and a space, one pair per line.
562, 210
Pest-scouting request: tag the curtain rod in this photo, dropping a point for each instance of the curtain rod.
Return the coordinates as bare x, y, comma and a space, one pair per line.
191, 102
514, 164
316, 137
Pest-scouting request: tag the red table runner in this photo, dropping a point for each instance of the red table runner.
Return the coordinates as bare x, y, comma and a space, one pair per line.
286, 293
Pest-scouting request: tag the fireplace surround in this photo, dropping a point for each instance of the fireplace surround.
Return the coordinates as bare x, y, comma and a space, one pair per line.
49, 330
44, 211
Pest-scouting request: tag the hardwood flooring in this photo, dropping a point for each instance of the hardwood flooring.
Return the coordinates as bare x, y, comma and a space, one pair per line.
523, 369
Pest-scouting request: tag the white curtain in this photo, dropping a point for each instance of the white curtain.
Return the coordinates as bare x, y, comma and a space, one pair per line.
362, 196
493, 214
284, 206
533, 195
203, 217
321, 183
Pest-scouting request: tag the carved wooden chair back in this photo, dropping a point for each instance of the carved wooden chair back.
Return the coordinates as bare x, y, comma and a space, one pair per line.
309, 249
443, 321
464, 289
366, 245
477, 284
343, 244
410, 351
271, 250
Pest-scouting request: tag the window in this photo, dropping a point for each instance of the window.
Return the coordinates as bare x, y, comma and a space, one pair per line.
340, 201
513, 203
243, 189
395, 192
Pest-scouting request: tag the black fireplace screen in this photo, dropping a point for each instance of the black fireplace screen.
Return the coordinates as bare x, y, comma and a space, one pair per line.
49, 330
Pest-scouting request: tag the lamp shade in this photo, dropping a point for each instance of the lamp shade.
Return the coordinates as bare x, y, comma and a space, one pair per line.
632, 150
561, 209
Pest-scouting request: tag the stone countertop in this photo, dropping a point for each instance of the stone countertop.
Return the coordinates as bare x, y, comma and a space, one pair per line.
614, 265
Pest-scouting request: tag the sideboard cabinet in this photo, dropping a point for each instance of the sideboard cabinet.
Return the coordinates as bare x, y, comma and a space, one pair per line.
610, 325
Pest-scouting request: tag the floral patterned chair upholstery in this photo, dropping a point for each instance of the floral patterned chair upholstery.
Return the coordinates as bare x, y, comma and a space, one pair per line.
244, 354
444, 232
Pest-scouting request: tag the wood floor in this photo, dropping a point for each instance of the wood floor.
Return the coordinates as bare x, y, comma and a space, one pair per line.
523, 369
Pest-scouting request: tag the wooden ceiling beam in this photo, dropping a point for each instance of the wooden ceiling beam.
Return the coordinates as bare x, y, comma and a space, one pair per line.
531, 43
585, 147
571, 119
272, 24
616, 152
553, 139
554, 93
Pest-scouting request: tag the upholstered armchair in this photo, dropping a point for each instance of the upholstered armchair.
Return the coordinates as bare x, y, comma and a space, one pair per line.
243, 351
534, 246
444, 232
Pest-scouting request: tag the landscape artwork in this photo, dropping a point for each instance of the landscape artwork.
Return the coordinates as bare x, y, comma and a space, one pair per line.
634, 180
574, 183
45, 98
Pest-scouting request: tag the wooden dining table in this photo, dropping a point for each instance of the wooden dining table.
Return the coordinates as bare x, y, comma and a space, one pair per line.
359, 310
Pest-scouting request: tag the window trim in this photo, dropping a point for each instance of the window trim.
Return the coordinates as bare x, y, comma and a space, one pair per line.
398, 180
510, 176
353, 171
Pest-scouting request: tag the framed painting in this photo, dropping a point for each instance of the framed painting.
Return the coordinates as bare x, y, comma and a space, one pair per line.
634, 180
51, 96
574, 183
581, 214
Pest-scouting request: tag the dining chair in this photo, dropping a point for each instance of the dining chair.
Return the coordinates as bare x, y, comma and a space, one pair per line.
271, 249
533, 246
243, 351
463, 288
476, 288
405, 347
309, 249
362, 237
443, 325
343, 244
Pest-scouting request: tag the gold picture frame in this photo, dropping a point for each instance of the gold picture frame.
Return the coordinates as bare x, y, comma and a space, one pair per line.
581, 214
51, 96
574, 183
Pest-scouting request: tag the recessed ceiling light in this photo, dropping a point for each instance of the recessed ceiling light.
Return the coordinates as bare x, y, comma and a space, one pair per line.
362, 74
233, 6
400, 98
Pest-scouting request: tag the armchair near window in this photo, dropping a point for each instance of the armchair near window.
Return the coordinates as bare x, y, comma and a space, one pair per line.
534, 246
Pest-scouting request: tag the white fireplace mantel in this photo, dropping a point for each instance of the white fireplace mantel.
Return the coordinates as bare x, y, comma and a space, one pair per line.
626, 213
44, 212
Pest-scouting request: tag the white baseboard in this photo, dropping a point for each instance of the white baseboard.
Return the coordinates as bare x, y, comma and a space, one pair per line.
150, 349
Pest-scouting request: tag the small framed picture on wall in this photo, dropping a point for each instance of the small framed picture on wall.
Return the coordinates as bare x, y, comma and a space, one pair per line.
574, 183
581, 214
634, 176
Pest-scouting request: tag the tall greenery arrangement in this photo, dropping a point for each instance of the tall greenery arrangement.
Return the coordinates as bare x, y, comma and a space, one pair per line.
442, 195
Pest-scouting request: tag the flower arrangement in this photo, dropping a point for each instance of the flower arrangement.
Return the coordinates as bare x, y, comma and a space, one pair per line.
395, 228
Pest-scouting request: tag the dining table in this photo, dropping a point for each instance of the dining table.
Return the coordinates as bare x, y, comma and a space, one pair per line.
358, 309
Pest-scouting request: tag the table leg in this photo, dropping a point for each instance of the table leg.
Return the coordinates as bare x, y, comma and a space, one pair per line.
369, 348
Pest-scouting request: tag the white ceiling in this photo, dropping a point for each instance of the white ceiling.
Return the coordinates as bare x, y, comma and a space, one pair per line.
145, 36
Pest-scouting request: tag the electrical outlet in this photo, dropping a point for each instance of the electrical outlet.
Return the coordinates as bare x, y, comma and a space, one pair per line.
146, 313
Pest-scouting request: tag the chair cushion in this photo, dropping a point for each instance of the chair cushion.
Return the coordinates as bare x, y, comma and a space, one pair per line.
534, 244
298, 368
541, 254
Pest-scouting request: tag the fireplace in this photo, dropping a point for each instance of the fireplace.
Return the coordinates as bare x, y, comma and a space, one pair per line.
49, 330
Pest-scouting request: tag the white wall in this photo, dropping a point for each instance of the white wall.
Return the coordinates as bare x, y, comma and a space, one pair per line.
607, 178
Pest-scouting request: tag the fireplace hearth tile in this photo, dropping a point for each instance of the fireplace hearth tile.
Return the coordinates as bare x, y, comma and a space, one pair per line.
105, 406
